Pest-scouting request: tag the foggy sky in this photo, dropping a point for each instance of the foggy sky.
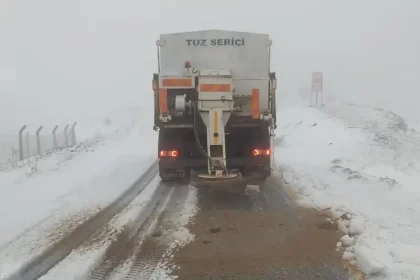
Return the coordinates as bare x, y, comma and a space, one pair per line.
75, 59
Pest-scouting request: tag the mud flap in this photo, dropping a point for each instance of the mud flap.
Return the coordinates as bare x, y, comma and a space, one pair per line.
172, 174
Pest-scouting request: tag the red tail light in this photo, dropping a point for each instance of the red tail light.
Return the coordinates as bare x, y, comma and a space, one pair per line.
258, 152
168, 153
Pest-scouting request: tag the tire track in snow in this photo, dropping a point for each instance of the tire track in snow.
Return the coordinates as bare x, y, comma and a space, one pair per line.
158, 248
130, 239
60, 250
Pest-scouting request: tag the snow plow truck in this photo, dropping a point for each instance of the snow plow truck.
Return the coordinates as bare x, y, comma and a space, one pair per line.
214, 106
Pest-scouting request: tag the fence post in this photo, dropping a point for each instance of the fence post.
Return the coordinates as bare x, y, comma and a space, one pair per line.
21, 143
28, 152
73, 134
38, 141
54, 137
66, 138
15, 156
12, 160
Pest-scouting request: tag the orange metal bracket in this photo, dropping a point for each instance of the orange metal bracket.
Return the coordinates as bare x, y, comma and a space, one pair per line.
255, 103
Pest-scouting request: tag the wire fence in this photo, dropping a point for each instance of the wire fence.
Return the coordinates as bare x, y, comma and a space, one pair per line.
28, 143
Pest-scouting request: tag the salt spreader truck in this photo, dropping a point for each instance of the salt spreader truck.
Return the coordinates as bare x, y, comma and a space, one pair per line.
214, 106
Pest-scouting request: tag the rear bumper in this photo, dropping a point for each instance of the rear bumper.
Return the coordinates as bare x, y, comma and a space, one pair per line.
252, 166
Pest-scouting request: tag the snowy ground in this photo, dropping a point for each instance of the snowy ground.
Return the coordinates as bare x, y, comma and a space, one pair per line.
86, 128
362, 165
359, 164
65, 188
80, 261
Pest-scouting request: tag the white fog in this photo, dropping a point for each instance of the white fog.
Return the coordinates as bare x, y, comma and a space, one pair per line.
143, 187
73, 59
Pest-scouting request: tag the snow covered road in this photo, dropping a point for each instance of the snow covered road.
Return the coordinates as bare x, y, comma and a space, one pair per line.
41, 206
361, 165
135, 242
74, 237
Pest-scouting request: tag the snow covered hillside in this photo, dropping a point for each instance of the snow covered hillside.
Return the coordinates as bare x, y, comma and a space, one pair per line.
87, 128
66, 187
362, 166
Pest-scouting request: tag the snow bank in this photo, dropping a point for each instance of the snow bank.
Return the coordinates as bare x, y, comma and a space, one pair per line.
69, 186
362, 164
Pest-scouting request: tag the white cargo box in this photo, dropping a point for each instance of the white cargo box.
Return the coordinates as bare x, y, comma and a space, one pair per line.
246, 55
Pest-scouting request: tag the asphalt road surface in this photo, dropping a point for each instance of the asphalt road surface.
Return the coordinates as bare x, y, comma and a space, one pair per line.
259, 235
